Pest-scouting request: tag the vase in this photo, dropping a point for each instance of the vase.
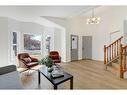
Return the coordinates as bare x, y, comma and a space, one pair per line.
50, 69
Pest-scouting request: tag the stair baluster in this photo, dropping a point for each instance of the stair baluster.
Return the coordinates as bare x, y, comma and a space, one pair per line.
105, 59
111, 52
115, 50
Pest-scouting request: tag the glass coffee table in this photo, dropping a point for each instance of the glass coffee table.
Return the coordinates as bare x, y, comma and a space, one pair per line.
55, 81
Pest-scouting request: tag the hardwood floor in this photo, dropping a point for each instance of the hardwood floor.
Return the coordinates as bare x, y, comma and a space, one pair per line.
88, 74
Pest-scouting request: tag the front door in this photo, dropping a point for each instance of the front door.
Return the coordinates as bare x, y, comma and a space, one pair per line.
86, 47
74, 47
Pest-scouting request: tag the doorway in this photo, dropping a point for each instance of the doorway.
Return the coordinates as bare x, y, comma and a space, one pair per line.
86, 47
74, 47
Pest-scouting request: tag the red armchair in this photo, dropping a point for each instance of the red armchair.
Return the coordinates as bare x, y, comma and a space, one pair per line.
55, 56
25, 61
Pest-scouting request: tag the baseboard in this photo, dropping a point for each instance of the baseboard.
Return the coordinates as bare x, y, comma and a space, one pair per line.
97, 60
94, 60
84, 59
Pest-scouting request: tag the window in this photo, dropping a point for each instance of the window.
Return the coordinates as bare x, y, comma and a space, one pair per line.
32, 44
14, 44
48, 38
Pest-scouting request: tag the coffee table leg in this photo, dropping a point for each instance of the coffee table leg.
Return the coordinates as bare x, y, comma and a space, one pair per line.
71, 83
55, 86
39, 79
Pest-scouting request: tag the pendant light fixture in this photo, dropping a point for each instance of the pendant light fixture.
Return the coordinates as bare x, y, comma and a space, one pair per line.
93, 19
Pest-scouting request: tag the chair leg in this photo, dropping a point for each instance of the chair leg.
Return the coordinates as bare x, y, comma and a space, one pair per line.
29, 71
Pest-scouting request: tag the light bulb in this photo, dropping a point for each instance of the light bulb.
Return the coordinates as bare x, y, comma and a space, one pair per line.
93, 18
98, 18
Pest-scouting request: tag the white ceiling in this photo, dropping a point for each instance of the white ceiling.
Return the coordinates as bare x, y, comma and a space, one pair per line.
50, 11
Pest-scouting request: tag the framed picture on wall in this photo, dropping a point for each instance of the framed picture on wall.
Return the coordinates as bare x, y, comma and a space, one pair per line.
32, 44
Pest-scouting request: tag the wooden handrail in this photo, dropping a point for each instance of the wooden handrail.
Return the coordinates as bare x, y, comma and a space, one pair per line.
112, 51
115, 41
124, 47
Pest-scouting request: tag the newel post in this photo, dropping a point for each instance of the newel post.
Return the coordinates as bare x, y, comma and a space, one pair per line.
124, 58
120, 62
104, 54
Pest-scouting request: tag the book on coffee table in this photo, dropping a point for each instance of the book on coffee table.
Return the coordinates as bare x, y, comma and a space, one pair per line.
57, 72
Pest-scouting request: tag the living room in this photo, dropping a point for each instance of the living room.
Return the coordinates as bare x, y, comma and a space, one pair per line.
38, 30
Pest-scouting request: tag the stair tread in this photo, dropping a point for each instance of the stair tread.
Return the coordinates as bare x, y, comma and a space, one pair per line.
115, 64
113, 70
116, 67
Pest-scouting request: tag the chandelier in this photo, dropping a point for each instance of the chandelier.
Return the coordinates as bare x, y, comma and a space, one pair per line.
93, 19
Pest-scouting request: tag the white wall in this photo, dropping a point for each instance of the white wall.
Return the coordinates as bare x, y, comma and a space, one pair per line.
60, 43
13, 26
57, 40
63, 45
3, 42
125, 32
57, 20
112, 18
23, 15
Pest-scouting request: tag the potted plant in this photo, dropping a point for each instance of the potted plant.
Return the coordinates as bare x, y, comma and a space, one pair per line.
48, 62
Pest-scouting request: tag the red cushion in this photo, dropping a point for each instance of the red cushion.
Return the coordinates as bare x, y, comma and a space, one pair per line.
56, 61
54, 57
54, 53
34, 59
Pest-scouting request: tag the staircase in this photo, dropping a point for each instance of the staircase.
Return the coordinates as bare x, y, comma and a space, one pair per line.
115, 58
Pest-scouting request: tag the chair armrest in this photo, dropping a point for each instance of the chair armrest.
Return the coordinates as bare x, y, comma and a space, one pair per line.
34, 59
22, 63
60, 58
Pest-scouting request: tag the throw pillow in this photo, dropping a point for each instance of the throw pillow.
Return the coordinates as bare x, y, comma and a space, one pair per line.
27, 60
